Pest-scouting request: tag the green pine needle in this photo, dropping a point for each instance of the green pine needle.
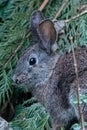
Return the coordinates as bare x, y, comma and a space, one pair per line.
34, 117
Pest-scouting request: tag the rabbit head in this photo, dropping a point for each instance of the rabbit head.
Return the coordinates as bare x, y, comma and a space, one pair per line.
36, 64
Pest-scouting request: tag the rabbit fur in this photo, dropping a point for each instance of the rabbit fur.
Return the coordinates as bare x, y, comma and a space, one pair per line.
51, 76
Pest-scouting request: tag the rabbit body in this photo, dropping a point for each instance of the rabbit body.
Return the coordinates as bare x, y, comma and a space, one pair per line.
50, 76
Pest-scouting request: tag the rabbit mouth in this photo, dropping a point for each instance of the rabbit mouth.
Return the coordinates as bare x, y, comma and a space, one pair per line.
20, 79
22, 84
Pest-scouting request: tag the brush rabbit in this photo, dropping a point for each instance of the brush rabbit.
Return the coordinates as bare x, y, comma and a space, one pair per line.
49, 75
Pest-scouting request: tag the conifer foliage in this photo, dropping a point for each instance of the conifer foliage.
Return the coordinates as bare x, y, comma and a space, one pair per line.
14, 38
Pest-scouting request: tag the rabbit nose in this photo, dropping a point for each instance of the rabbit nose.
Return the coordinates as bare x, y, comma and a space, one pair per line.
17, 80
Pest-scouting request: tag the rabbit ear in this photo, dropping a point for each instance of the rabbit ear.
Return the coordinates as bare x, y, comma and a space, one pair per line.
36, 19
47, 34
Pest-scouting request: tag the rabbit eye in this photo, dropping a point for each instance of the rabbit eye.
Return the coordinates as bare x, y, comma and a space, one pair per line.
32, 61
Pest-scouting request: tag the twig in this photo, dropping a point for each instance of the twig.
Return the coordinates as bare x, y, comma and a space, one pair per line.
13, 54
61, 8
82, 7
45, 2
72, 18
75, 17
15, 51
78, 88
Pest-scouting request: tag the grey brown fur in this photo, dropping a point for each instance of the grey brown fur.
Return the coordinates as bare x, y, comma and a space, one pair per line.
52, 78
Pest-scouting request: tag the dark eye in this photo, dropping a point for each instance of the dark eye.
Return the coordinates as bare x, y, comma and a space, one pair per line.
32, 61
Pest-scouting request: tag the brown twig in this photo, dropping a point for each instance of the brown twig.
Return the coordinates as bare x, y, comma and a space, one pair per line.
45, 2
82, 7
75, 17
13, 54
15, 51
78, 88
61, 8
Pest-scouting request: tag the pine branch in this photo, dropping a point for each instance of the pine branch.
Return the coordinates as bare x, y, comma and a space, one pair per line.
34, 117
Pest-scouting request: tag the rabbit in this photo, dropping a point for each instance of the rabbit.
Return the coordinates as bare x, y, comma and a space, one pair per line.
49, 75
